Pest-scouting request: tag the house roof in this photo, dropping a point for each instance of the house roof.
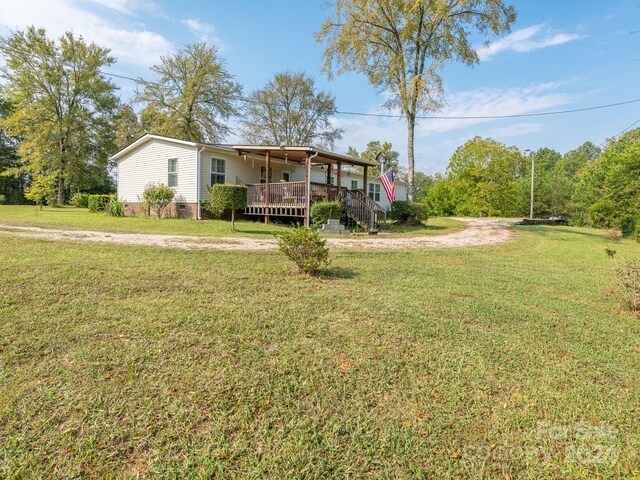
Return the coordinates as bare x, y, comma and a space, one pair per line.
296, 154
152, 136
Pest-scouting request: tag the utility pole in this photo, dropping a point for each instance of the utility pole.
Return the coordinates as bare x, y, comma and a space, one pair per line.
533, 167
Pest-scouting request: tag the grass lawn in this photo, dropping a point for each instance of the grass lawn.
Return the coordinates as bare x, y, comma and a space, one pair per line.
70, 218
515, 359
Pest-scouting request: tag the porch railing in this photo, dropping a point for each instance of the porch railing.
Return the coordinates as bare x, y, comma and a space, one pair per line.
289, 194
367, 213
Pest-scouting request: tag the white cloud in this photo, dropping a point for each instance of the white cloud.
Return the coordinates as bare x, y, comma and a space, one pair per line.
526, 40
514, 130
134, 45
202, 30
433, 143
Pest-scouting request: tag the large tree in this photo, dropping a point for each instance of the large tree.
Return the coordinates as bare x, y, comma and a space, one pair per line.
11, 186
192, 96
127, 126
483, 178
402, 46
383, 155
63, 106
607, 188
290, 110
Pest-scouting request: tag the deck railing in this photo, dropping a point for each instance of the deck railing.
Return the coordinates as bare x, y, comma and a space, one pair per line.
288, 194
367, 213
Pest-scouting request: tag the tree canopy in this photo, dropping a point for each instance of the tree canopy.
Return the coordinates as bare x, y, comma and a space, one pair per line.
192, 97
290, 110
402, 46
485, 177
62, 106
127, 126
383, 154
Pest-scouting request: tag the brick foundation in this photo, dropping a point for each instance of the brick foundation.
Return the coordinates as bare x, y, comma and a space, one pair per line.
174, 210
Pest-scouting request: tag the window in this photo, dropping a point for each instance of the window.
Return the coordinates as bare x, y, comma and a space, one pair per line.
374, 192
172, 177
286, 176
332, 180
263, 174
354, 184
218, 171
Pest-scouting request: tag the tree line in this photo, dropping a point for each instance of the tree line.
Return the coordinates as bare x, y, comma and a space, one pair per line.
588, 185
60, 115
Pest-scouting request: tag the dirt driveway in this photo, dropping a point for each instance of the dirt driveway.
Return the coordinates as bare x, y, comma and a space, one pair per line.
477, 232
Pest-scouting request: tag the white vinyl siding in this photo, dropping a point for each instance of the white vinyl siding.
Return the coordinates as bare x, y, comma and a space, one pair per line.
172, 172
218, 171
148, 163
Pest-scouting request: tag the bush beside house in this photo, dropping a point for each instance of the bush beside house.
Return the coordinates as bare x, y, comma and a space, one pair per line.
99, 203
157, 198
325, 210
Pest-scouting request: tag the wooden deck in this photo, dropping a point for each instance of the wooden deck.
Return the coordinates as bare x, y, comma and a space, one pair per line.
289, 200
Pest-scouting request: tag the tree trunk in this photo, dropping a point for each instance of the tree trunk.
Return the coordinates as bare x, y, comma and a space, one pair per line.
411, 125
60, 189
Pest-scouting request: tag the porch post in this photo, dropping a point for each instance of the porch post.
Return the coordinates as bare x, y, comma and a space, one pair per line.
339, 177
307, 184
329, 174
365, 180
267, 192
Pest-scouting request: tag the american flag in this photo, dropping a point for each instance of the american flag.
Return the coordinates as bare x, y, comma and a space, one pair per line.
389, 184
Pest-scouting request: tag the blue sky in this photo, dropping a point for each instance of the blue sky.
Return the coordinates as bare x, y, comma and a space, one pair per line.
560, 55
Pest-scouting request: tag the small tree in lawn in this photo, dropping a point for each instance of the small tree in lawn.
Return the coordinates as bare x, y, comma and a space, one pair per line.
227, 197
42, 189
158, 197
306, 248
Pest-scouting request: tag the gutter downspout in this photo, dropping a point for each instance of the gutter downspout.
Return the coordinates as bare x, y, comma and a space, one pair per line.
198, 186
307, 215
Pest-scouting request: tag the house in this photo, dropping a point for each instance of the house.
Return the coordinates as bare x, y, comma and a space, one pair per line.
280, 179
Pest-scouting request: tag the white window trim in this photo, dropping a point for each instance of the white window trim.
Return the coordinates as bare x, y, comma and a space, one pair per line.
374, 189
176, 173
211, 172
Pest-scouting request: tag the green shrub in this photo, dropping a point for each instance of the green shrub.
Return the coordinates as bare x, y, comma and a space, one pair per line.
602, 214
158, 197
637, 232
80, 200
628, 225
628, 280
227, 197
98, 203
409, 213
305, 247
114, 208
2, 199
323, 211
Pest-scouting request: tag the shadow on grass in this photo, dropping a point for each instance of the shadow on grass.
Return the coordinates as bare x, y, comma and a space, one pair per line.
337, 272
547, 230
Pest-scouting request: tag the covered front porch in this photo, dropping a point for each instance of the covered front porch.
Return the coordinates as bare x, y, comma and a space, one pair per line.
293, 199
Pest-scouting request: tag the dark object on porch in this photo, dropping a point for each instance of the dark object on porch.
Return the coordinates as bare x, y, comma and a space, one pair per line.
542, 221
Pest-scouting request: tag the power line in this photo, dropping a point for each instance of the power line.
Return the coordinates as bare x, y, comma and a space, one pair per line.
491, 117
430, 117
622, 132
